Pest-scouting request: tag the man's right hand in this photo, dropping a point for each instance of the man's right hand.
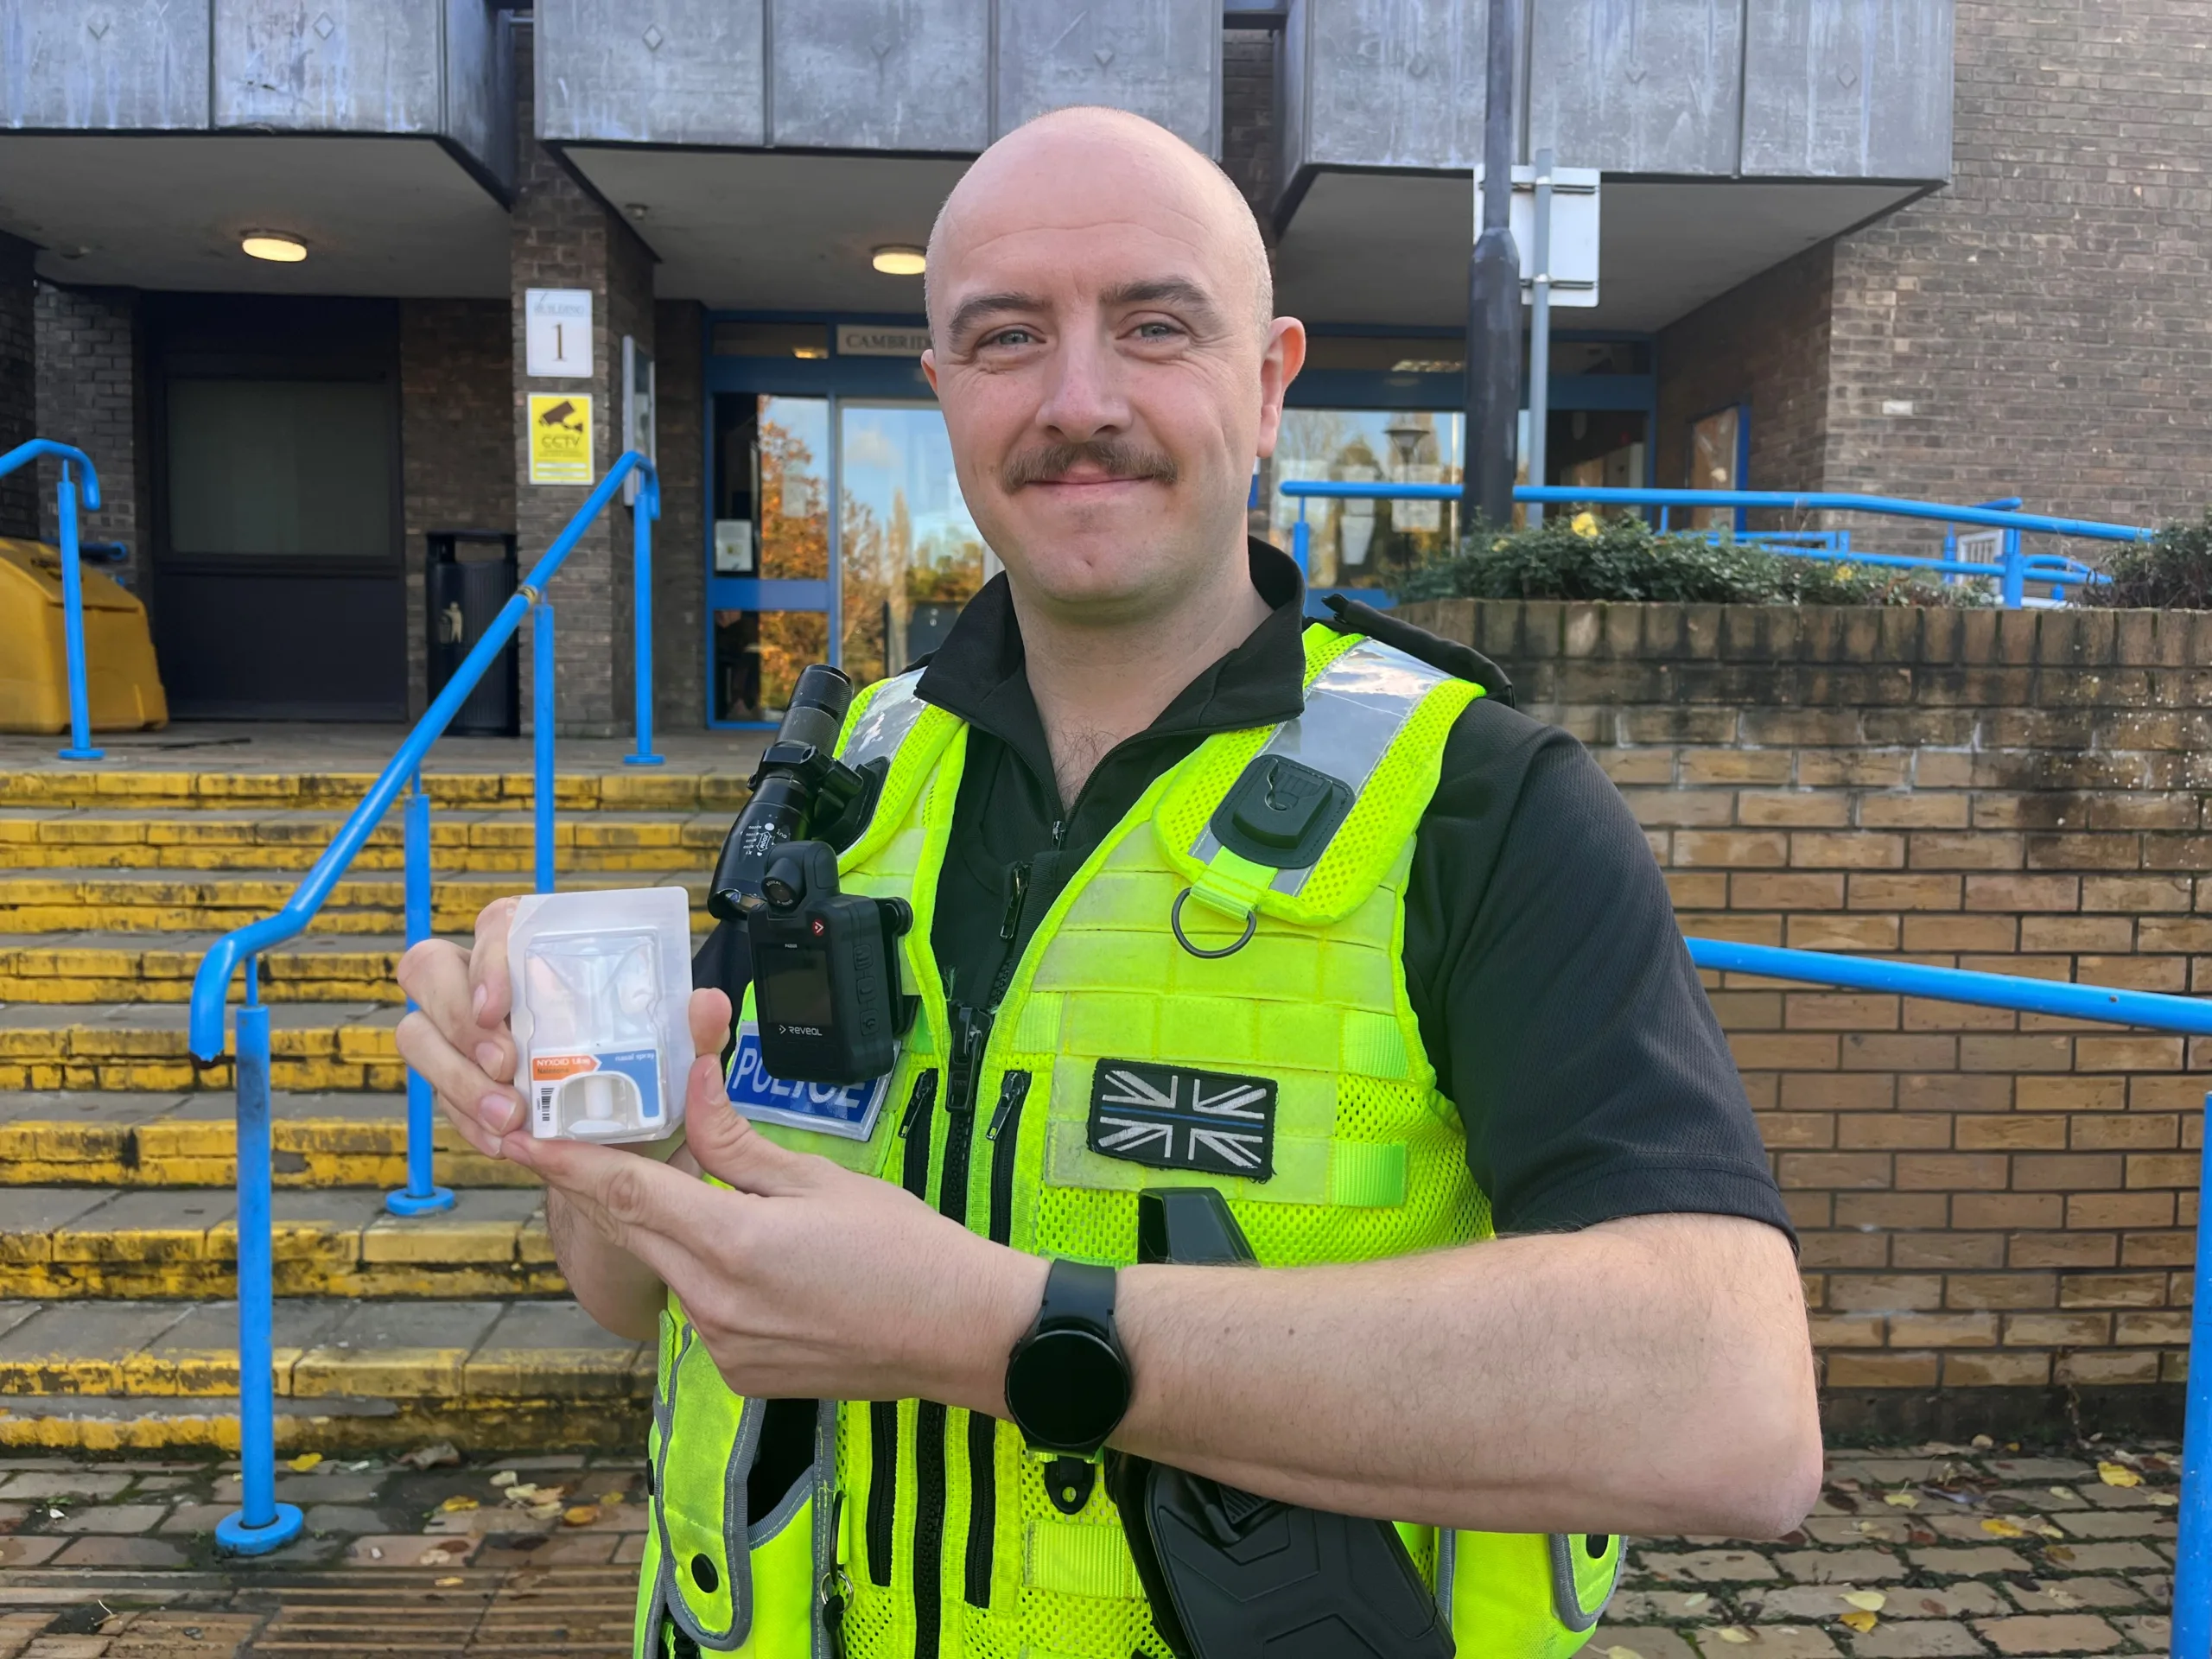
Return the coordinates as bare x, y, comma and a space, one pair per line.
459, 1039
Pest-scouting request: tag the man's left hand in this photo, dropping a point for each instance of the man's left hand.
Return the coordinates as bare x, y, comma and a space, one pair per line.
807, 1280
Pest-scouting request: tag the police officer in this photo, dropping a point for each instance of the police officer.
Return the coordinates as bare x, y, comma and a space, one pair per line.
1413, 1003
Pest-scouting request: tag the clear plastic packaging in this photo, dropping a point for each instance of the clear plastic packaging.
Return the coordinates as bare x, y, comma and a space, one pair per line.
602, 982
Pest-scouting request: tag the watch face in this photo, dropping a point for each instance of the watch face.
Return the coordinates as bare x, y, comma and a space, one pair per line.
1067, 1388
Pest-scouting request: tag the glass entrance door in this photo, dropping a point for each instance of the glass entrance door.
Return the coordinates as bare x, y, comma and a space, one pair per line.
871, 587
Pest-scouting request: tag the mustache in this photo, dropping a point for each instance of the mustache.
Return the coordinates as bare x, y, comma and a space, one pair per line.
1115, 457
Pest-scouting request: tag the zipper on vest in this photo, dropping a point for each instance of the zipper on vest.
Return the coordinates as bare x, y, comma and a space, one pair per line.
914, 1131
883, 1485
929, 1528
1004, 1135
1017, 888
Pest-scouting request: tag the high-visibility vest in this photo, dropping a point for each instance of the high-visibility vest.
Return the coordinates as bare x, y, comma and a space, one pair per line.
924, 1529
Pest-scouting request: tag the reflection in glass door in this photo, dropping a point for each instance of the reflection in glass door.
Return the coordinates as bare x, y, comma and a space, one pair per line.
769, 589
909, 555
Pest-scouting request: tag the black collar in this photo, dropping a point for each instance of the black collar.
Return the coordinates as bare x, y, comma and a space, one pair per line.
980, 672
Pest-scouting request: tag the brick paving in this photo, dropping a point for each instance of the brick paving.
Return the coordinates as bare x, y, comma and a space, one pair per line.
1914, 1553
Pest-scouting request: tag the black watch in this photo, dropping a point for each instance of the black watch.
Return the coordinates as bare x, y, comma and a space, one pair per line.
1067, 1384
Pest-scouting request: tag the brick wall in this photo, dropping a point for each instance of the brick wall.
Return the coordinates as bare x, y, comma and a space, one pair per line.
19, 491
1988, 1201
88, 384
457, 440
561, 236
1764, 344
1248, 116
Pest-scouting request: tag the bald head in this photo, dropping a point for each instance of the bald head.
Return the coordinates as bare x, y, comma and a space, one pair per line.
1053, 170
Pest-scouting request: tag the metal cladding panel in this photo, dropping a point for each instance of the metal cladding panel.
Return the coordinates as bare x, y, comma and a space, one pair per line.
652, 72
881, 75
1388, 83
1161, 58
68, 67
481, 84
1637, 86
1848, 89
329, 66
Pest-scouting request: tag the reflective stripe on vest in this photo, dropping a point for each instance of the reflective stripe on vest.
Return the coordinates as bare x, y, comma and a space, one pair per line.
882, 726
1353, 713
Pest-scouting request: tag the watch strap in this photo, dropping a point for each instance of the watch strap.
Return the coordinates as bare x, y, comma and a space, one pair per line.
1079, 1293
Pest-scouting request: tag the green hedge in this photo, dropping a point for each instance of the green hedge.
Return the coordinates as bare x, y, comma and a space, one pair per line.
2171, 572
1585, 558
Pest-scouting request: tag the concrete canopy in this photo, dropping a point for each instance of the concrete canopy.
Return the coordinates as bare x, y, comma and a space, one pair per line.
1393, 247
386, 216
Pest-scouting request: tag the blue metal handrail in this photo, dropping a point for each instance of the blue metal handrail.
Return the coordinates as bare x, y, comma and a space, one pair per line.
2013, 573
261, 1523
2192, 1609
72, 579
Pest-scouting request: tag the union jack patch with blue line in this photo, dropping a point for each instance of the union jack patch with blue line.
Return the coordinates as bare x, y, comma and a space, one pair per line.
1173, 1117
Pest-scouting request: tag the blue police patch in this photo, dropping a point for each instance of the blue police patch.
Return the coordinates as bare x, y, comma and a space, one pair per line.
828, 1108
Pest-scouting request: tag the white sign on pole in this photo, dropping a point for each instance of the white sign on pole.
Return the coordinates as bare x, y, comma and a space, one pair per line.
1574, 232
556, 332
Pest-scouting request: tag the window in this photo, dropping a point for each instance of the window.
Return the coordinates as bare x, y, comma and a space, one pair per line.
1364, 543
1719, 445
280, 467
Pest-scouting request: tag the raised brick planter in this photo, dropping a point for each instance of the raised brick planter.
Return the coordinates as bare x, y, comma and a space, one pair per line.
1996, 1209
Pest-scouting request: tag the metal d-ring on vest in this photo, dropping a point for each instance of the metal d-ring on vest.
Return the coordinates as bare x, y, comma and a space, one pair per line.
1175, 923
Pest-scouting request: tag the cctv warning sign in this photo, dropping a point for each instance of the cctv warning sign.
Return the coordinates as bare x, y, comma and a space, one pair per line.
560, 437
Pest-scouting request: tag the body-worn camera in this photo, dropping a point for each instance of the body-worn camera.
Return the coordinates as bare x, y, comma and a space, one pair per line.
825, 963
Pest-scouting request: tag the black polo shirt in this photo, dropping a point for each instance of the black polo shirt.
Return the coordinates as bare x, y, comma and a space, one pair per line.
1554, 993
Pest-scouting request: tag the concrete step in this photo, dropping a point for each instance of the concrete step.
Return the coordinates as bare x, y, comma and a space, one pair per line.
103, 967
348, 1374
175, 1138
319, 1046
98, 900
467, 841
61, 1242
656, 789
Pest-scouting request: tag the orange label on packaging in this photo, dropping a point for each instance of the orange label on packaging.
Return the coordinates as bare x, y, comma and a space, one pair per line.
551, 1068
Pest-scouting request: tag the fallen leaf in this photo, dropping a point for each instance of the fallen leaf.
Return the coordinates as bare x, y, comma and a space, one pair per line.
446, 1583
1616, 1653
611, 1500
2047, 1530
1735, 1633
435, 1455
1902, 1500
1698, 1598
505, 1477
1861, 1622
582, 1516
375, 1554
2059, 1598
1868, 1601
1998, 1526
2164, 1500
457, 1503
2058, 1553
2066, 1493
304, 1462
2118, 1474
1982, 1443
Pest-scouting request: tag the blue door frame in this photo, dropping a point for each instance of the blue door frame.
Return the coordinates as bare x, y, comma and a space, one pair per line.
838, 379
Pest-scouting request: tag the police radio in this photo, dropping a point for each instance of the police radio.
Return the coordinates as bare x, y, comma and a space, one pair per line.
825, 963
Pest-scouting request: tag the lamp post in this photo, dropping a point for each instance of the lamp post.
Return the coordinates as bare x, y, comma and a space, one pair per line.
1494, 300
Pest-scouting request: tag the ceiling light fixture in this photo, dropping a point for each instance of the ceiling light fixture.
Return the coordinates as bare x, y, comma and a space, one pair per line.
899, 261
274, 246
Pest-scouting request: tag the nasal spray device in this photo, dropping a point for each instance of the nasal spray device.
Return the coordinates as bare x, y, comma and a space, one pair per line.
602, 984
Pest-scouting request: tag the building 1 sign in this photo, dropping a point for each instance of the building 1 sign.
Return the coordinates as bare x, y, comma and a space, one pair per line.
556, 334
873, 340
560, 437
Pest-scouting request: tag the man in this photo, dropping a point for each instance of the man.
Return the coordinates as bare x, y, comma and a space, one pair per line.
1466, 1006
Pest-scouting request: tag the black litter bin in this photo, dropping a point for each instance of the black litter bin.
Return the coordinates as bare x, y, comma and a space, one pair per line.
469, 575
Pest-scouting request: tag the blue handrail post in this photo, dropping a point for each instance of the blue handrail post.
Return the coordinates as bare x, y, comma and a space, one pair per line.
2192, 1630
261, 1523
1301, 541
541, 694
72, 623
422, 1196
643, 512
